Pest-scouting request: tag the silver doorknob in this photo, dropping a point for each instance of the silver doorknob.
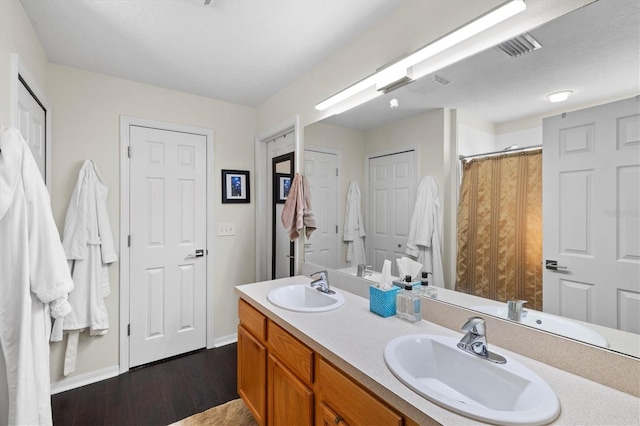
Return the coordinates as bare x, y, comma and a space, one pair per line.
552, 265
197, 253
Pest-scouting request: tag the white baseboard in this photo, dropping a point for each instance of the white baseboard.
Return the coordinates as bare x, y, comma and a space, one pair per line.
225, 340
73, 382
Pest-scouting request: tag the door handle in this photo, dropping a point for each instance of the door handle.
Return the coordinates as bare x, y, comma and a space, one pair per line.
552, 265
289, 256
197, 253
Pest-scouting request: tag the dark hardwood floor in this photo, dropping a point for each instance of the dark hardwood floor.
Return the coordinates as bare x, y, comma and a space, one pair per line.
157, 394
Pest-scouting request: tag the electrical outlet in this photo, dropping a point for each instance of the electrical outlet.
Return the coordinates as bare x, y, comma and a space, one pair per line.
226, 229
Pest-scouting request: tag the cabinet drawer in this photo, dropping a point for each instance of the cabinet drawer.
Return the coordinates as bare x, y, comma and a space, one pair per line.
295, 355
349, 401
252, 320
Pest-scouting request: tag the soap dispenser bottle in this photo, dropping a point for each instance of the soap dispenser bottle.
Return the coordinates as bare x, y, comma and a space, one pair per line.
425, 289
408, 303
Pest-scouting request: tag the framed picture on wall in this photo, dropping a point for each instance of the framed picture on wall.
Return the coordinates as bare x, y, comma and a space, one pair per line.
235, 186
283, 185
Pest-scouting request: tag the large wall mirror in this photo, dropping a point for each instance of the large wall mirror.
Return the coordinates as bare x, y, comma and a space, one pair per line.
485, 103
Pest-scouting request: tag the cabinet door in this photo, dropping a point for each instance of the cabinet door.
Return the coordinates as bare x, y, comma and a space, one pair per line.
326, 417
252, 367
290, 401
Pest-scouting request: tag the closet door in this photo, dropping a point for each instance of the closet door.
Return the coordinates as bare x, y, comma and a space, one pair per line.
321, 170
392, 196
168, 244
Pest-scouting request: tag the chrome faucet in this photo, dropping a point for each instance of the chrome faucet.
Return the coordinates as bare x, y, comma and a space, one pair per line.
322, 283
475, 341
515, 311
363, 270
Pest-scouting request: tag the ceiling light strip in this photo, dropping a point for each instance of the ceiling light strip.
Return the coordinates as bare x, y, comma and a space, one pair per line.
468, 30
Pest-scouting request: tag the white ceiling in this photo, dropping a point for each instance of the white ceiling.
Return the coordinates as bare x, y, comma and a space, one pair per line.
245, 51
240, 51
594, 51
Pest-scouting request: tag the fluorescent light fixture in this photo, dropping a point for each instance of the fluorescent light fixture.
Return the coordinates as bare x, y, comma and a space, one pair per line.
398, 73
559, 96
350, 91
354, 101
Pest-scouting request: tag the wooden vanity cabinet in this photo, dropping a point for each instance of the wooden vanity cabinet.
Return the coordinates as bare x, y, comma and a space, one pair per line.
284, 382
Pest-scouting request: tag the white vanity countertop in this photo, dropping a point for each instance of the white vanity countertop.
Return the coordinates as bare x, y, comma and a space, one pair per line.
353, 338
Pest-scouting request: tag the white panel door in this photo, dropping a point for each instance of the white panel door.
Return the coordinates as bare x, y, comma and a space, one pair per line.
392, 196
168, 240
321, 170
591, 199
32, 125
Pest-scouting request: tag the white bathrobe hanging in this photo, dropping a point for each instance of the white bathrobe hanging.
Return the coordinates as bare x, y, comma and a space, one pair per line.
425, 231
34, 283
354, 232
88, 244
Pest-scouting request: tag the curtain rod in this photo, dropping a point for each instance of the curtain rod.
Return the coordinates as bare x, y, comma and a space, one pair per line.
504, 151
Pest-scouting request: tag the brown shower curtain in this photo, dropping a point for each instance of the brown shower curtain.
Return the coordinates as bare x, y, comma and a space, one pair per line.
500, 228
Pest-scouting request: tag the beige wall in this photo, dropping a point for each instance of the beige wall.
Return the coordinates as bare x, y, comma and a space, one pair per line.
86, 125
17, 36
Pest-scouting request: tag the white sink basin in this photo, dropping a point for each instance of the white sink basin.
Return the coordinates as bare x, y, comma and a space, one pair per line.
304, 298
505, 394
550, 323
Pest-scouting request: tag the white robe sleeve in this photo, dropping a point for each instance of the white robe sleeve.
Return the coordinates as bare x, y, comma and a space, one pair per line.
75, 235
49, 274
107, 247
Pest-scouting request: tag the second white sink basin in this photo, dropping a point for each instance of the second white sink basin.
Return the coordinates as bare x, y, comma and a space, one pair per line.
504, 394
551, 323
304, 298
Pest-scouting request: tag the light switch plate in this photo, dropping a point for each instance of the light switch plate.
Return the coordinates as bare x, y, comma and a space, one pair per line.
226, 229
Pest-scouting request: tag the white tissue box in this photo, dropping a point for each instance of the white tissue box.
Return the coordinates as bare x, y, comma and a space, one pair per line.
383, 302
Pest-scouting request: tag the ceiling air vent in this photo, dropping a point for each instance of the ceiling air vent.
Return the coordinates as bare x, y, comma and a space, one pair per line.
520, 45
440, 79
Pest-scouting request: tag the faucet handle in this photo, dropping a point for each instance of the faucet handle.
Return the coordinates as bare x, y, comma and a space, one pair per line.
323, 274
362, 269
475, 325
515, 305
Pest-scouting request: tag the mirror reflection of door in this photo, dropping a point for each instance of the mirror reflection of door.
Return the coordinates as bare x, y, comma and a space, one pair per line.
392, 196
321, 171
282, 258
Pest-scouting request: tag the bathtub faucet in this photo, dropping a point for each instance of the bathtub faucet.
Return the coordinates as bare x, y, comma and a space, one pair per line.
515, 311
363, 270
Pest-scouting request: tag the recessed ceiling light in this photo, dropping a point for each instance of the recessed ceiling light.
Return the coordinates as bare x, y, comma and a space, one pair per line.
559, 96
393, 103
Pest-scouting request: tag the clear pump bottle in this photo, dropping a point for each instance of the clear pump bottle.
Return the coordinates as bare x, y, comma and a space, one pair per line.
408, 304
425, 289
